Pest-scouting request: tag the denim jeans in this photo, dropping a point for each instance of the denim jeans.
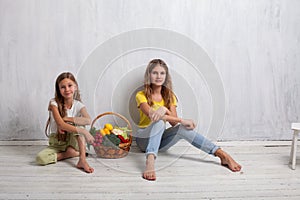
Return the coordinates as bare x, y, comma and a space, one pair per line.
156, 137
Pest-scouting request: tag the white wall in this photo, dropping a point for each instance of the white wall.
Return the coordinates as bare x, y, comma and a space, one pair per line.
254, 44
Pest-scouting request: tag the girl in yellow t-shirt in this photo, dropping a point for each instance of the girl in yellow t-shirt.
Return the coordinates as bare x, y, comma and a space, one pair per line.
157, 105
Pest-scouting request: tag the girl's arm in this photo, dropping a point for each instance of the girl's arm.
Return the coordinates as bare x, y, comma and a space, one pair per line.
187, 123
145, 108
61, 124
168, 115
85, 118
171, 116
156, 115
173, 119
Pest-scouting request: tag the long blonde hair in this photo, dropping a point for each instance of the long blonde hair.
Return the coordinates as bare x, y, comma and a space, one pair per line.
166, 91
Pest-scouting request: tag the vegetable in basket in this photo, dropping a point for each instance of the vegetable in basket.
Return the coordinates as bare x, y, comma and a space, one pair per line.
121, 131
123, 140
111, 140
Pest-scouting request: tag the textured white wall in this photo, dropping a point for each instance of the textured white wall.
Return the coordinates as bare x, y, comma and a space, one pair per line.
254, 44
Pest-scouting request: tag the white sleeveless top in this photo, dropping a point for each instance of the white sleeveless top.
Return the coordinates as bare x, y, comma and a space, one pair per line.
74, 111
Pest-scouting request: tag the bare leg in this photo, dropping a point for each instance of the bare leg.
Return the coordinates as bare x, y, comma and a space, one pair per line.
82, 163
149, 173
69, 153
227, 160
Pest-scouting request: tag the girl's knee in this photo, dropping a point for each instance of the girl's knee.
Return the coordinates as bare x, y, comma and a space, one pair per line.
159, 124
183, 131
186, 133
40, 160
43, 159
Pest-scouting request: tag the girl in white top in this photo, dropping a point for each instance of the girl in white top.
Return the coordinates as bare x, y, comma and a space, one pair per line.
68, 116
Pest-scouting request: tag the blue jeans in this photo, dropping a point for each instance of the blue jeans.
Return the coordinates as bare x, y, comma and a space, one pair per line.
156, 137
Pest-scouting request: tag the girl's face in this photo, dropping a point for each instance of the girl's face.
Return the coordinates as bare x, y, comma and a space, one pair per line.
158, 75
67, 88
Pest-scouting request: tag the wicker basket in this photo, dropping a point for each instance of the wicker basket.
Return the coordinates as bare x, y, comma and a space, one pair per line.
113, 152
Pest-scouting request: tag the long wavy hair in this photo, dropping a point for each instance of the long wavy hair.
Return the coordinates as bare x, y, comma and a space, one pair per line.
59, 98
166, 91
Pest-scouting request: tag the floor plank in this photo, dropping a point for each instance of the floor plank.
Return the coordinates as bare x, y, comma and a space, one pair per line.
183, 173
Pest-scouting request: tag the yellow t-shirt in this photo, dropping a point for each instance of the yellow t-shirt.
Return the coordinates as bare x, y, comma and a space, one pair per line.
141, 98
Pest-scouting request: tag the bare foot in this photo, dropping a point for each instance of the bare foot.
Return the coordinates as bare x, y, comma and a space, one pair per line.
227, 160
85, 166
149, 173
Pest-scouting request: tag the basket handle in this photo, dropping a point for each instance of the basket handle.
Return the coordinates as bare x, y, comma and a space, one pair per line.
112, 113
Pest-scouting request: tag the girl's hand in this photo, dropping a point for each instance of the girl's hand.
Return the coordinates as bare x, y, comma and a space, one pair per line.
61, 131
89, 138
188, 124
69, 120
62, 136
65, 119
158, 114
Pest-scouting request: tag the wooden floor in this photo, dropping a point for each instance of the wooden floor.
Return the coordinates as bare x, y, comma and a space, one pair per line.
183, 173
